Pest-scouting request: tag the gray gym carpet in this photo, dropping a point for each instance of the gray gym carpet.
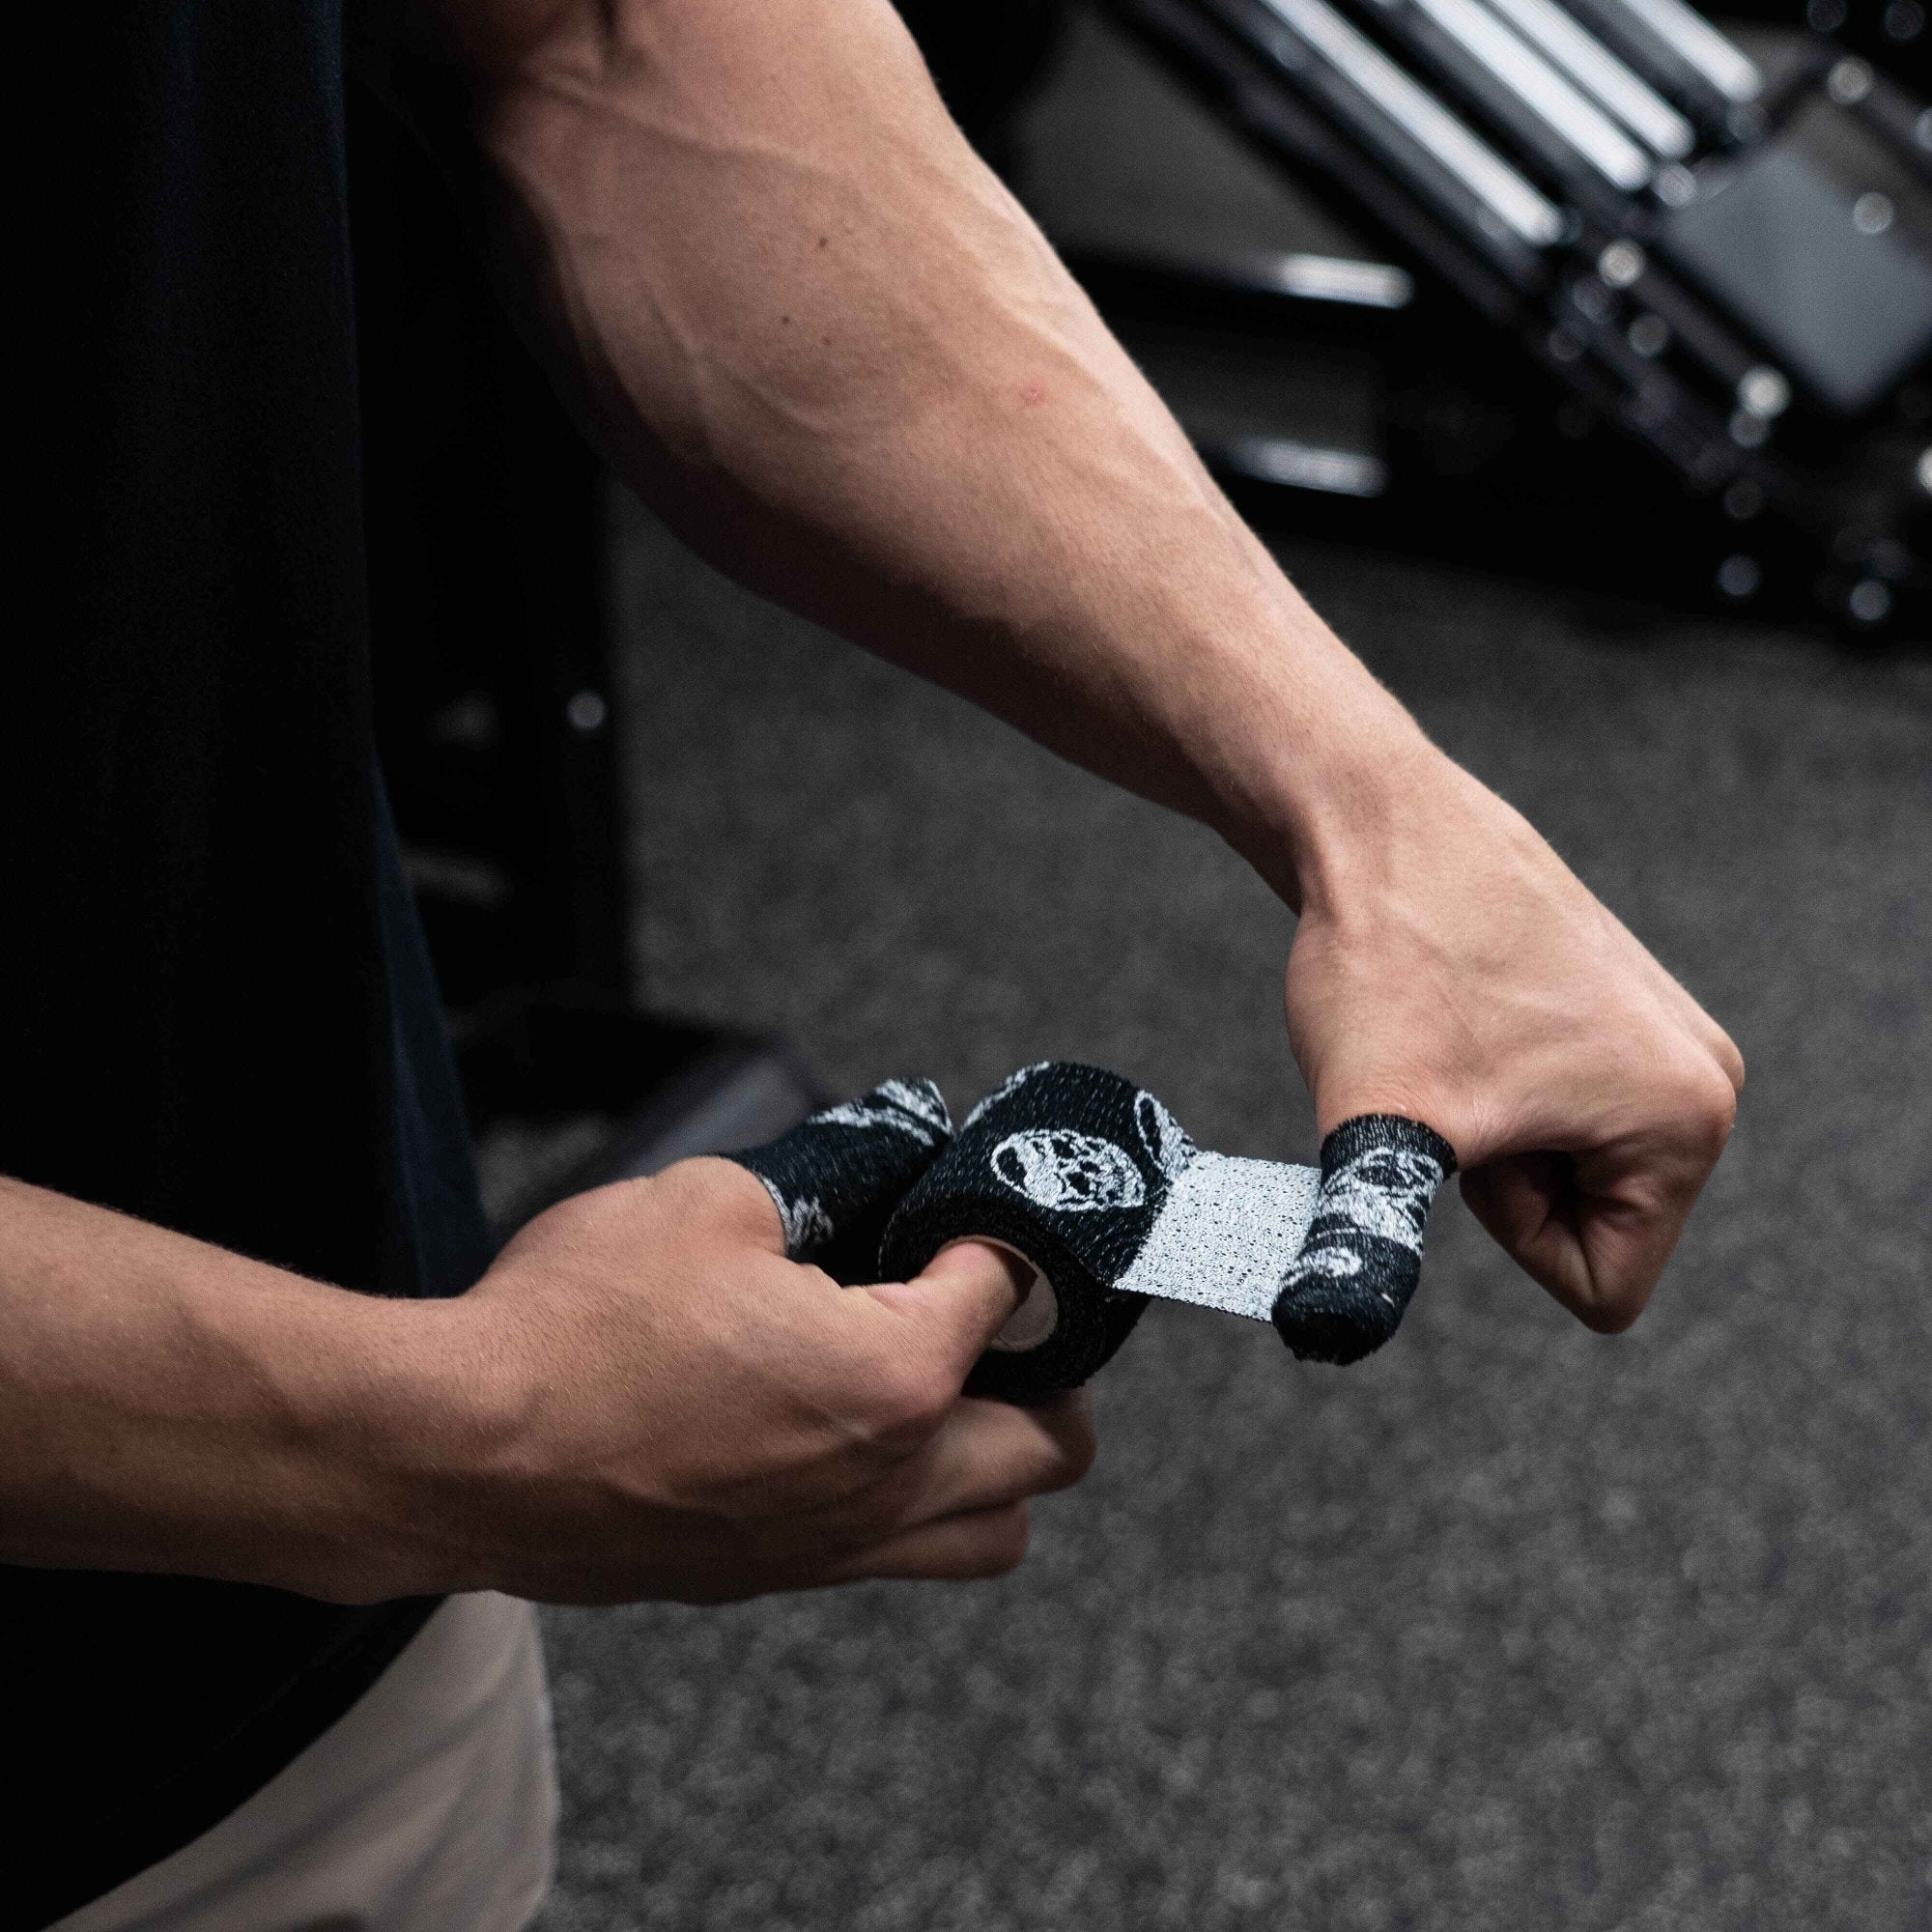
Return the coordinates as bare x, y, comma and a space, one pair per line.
1509, 1625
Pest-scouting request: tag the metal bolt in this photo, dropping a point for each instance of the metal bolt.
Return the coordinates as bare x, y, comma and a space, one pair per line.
1870, 601
1849, 83
1675, 184
1592, 298
1924, 468
1748, 431
1871, 214
1649, 335
1621, 263
1739, 576
1743, 500
586, 712
1763, 391
1904, 20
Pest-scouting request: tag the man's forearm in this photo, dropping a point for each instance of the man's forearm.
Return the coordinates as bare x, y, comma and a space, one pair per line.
835, 354
167, 1406
641, 1399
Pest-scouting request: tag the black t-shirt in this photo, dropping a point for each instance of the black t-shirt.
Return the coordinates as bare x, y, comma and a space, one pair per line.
214, 1007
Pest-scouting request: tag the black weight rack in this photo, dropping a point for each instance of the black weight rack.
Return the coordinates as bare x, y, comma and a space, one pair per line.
1603, 213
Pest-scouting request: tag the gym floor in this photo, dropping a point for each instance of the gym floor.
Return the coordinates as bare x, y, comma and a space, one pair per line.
1509, 1625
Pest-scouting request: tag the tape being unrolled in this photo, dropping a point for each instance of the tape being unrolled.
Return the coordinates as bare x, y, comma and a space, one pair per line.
1095, 1184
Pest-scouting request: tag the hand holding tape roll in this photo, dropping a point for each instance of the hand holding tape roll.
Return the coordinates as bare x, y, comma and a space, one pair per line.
1096, 1187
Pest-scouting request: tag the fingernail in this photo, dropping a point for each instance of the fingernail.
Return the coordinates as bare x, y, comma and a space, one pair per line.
1018, 1272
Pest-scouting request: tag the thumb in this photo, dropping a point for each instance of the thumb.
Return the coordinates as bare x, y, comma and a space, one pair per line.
963, 1297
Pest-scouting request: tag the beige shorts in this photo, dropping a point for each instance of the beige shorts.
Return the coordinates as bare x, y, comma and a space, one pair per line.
431, 1804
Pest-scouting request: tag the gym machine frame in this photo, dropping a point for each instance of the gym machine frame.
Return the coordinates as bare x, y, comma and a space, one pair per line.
1610, 215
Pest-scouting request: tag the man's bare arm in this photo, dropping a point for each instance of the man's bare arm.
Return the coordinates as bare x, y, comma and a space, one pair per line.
836, 355
826, 343
165, 1405
642, 1399
840, 359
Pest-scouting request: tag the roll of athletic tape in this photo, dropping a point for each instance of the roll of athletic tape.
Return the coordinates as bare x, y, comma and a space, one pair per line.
1096, 1187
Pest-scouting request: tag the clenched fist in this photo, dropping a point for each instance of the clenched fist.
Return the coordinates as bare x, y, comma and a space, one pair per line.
1450, 967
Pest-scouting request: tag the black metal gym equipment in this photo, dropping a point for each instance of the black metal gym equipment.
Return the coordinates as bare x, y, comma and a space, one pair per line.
1591, 212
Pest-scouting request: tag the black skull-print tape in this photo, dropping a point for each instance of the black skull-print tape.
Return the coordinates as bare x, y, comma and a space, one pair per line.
1070, 1166
1093, 1183
1345, 1293
837, 1176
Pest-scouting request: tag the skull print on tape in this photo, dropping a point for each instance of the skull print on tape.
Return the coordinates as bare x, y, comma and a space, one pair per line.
1360, 1263
1073, 1172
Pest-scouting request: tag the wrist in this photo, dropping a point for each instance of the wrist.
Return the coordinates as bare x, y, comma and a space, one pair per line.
425, 1417
367, 1427
1326, 791
173, 1407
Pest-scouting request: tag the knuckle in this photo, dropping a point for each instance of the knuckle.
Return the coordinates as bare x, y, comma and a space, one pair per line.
1618, 1291
1079, 1444
1004, 1542
1711, 1109
1080, 1460
1611, 1316
1732, 1061
716, 1193
566, 1223
1696, 1104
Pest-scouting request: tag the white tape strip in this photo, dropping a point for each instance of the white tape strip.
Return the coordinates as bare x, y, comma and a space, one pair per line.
1230, 1231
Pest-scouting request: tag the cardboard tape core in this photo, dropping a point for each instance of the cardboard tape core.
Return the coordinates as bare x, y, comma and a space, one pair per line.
1034, 1321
